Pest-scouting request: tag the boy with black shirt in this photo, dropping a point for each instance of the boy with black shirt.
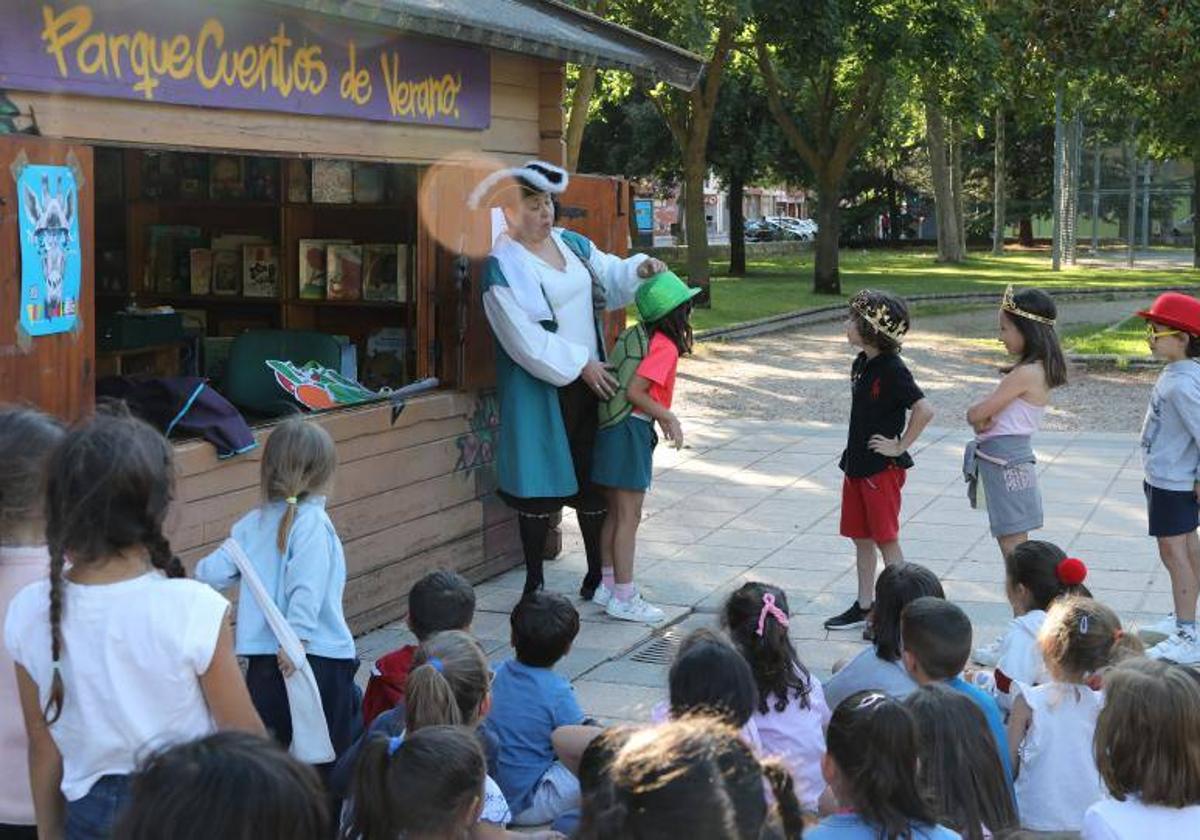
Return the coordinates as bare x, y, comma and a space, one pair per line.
876, 455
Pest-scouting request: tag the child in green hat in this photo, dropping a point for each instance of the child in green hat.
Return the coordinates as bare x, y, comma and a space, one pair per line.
645, 360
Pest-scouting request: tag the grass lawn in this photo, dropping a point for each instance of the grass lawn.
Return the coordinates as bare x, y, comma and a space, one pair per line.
784, 284
1127, 338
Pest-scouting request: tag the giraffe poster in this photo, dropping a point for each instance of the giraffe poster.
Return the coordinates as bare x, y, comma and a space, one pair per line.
50, 257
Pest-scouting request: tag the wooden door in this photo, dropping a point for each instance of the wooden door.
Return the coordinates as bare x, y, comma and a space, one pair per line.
52, 372
598, 207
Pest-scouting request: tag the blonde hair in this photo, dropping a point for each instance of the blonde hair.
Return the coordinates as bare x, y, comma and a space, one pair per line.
448, 682
298, 461
1081, 636
1147, 739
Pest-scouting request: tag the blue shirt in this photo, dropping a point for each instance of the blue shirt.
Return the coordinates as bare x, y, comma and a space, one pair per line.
995, 721
854, 827
305, 581
528, 704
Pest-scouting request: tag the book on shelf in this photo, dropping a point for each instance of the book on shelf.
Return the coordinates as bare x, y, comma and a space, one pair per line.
332, 182
160, 175
343, 272
201, 260
313, 265
298, 184
193, 177
227, 177
168, 257
368, 183
385, 272
262, 179
385, 364
260, 271
226, 272
195, 321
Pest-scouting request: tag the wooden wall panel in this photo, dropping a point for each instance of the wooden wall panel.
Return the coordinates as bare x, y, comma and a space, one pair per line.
404, 502
53, 372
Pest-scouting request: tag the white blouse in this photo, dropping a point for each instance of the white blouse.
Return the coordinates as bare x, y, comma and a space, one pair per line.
516, 314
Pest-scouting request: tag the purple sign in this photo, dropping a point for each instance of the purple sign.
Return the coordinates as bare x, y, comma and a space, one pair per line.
249, 56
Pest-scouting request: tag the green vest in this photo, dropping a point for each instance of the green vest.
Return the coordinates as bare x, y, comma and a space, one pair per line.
628, 353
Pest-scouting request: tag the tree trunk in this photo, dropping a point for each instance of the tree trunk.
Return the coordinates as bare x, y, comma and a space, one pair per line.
826, 279
998, 196
581, 99
1056, 203
956, 186
737, 226
1131, 239
1025, 232
1195, 208
893, 204
943, 191
694, 167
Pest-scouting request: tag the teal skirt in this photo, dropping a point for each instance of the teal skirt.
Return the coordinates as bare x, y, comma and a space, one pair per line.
624, 455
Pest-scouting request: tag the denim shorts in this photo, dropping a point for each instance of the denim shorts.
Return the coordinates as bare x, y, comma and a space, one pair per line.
93, 816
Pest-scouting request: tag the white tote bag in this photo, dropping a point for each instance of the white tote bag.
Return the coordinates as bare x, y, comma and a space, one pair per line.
310, 734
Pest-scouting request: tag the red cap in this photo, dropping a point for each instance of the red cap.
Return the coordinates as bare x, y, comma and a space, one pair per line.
1070, 571
1175, 310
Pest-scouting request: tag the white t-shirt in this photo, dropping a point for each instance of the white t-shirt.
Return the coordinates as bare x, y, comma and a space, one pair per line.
132, 655
1021, 659
1109, 819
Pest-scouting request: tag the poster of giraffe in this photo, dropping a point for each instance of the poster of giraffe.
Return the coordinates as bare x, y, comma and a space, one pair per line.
50, 256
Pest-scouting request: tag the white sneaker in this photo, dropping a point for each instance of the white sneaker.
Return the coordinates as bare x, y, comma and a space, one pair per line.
1165, 627
1182, 648
602, 596
635, 609
989, 655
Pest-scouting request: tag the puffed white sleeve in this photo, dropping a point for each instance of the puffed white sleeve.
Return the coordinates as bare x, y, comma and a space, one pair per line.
618, 274
542, 353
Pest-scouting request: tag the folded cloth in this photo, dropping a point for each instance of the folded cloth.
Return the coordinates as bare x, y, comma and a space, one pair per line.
184, 403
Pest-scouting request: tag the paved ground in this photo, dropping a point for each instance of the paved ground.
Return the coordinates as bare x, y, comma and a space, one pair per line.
803, 373
758, 499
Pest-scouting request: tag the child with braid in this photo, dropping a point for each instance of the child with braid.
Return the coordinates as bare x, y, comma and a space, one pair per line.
116, 654
297, 554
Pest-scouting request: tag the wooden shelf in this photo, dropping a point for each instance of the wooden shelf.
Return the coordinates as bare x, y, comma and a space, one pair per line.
204, 203
396, 208
169, 298
360, 304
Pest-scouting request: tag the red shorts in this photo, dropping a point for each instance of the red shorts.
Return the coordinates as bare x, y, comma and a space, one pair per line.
871, 506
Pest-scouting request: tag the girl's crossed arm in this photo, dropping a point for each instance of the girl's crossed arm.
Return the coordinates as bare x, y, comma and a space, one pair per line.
1016, 383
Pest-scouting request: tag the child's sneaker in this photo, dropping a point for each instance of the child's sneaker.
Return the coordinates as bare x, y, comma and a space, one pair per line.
1182, 647
635, 609
854, 617
602, 596
1164, 627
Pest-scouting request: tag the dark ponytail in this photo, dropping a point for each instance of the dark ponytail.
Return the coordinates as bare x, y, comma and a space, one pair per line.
108, 488
423, 783
1046, 572
778, 671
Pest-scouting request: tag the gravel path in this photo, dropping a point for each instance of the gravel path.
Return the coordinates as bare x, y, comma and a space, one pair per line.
802, 374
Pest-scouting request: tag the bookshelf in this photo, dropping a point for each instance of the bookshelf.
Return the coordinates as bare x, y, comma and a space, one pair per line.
149, 203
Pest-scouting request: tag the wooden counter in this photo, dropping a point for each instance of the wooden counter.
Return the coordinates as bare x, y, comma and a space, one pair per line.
407, 498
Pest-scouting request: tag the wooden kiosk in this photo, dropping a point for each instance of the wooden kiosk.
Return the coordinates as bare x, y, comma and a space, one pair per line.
208, 126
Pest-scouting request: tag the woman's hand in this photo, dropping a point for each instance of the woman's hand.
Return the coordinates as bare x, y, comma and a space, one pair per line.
649, 267
886, 446
597, 377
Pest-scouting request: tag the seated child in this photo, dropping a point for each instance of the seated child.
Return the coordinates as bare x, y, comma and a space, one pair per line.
1147, 747
936, 636
231, 785
791, 714
710, 677
957, 764
529, 702
879, 666
690, 778
1036, 573
1052, 726
871, 766
442, 600
428, 785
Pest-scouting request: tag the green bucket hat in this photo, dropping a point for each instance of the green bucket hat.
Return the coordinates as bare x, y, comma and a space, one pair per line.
661, 294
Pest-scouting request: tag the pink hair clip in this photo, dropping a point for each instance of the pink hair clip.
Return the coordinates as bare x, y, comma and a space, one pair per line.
769, 608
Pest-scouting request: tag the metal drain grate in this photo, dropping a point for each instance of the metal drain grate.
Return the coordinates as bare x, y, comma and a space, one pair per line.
659, 650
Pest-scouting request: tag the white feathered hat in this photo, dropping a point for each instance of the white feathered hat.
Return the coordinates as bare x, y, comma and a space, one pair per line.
535, 176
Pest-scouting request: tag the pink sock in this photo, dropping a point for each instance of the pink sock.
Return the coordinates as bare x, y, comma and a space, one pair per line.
606, 577
624, 591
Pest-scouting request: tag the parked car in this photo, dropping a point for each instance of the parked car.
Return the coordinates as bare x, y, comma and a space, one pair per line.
760, 230
802, 228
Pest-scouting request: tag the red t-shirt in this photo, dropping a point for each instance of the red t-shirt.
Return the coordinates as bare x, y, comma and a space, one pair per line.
658, 366
385, 688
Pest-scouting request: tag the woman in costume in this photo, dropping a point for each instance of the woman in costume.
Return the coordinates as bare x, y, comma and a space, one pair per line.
545, 291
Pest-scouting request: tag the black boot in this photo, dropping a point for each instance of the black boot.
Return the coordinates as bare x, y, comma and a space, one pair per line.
591, 525
533, 531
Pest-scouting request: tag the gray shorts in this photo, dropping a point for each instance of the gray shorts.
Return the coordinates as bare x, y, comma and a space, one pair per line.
1014, 502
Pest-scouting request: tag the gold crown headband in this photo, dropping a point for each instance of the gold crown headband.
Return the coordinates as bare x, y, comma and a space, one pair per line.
1010, 305
878, 316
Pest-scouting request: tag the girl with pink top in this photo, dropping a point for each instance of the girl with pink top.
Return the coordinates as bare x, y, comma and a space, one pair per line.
26, 440
791, 714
